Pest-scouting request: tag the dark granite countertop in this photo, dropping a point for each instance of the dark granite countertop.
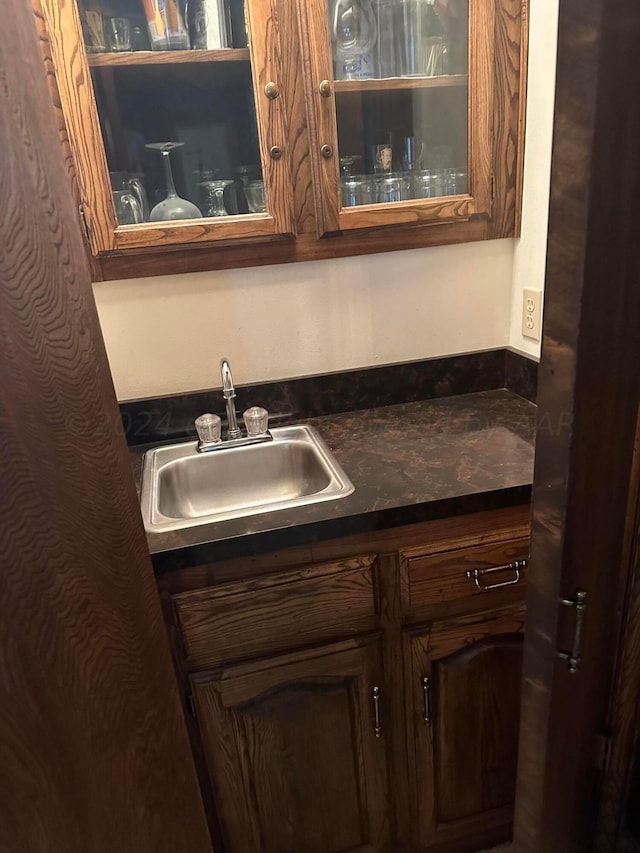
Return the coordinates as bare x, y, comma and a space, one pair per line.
410, 462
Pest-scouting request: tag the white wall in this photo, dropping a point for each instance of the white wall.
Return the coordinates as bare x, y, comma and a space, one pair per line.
530, 251
166, 335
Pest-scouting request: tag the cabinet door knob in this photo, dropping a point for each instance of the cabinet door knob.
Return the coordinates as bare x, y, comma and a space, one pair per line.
325, 88
326, 151
271, 91
275, 152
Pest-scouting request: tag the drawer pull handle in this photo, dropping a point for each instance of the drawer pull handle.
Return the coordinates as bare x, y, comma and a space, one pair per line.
515, 567
377, 725
426, 695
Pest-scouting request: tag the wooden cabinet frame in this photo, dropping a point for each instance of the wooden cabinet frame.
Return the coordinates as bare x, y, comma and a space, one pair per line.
330, 216
296, 197
390, 642
73, 76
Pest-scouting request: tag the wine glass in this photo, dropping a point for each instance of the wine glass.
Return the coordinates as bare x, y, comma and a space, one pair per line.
214, 203
171, 207
354, 35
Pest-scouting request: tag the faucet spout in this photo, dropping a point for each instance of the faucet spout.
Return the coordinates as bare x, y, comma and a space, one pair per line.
229, 393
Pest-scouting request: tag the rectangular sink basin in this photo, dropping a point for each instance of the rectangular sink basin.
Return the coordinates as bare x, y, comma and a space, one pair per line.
183, 488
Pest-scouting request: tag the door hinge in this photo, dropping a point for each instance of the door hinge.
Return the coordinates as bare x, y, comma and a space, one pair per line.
191, 705
602, 752
85, 224
493, 187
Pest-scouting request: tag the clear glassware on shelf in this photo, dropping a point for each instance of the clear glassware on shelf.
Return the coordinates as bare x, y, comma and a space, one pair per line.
172, 207
214, 202
353, 31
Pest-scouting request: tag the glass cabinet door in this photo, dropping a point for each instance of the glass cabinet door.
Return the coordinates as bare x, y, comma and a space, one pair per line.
175, 140
401, 101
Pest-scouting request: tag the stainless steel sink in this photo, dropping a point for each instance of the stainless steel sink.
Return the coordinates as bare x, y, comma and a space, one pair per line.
183, 488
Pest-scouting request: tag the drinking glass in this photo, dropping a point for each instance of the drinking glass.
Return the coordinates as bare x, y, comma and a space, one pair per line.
119, 34
410, 155
128, 209
456, 182
424, 185
424, 41
214, 203
387, 189
172, 207
389, 25
355, 189
354, 32
125, 181
254, 193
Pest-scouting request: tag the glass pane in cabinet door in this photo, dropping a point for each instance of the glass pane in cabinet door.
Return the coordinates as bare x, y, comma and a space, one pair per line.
173, 86
401, 84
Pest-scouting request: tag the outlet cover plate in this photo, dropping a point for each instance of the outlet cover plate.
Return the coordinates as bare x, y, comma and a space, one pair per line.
531, 313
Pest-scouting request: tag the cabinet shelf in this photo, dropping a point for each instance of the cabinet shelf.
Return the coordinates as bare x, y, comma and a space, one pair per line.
169, 57
398, 84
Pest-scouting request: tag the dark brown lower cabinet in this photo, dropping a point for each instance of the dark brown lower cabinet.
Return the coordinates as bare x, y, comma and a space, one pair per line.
464, 683
295, 750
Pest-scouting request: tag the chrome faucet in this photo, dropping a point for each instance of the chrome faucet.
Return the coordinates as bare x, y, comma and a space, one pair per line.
229, 394
209, 426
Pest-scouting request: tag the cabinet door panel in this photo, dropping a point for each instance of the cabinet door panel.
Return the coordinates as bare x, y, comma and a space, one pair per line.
465, 683
210, 104
292, 753
476, 762
407, 139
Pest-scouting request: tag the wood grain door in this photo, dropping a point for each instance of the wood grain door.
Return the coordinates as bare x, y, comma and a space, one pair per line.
463, 706
296, 751
213, 103
453, 113
588, 393
94, 752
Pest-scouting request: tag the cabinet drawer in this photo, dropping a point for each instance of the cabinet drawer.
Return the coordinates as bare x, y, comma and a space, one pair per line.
277, 612
485, 570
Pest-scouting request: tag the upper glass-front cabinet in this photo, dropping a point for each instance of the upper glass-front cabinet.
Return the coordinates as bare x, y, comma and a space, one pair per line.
207, 122
401, 103
179, 122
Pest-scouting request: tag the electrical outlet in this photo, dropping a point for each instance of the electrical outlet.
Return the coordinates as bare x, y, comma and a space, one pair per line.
531, 313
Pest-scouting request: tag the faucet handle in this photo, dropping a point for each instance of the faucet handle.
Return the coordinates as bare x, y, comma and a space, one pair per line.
256, 420
209, 427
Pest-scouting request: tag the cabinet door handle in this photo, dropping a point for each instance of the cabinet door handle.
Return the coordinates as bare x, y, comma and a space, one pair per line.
377, 724
580, 604
515, 567
426, 697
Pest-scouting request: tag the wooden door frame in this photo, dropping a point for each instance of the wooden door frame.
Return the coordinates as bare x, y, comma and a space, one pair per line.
587, 407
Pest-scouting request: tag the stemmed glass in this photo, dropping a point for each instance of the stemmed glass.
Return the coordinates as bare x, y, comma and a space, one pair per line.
171, 207
214, 204
354, 35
